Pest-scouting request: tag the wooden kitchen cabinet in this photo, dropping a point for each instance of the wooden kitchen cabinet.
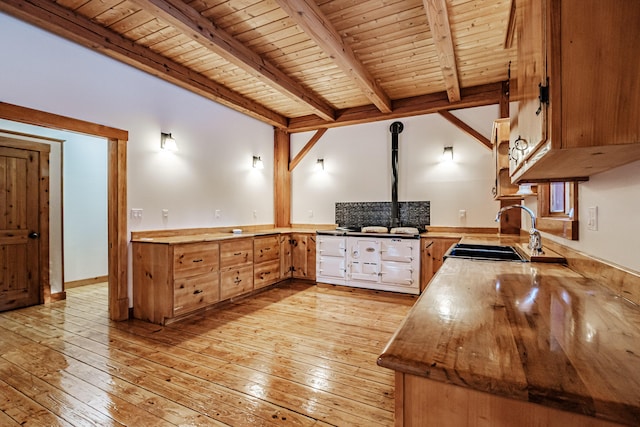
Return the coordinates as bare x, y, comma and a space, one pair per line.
236, 267
504, 189
578, 95
432, 252
285, 256
303, 255
266, 261
172, 280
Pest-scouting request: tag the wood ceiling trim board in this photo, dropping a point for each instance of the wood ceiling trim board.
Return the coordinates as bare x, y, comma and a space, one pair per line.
148, 37
197, 27
260, 39
63, 22
511, 26
251, 14
384, 17
137, 20
460, 124
94, 8
438, 18
388, 38
359, 8
476, 96
307, 147
311, 19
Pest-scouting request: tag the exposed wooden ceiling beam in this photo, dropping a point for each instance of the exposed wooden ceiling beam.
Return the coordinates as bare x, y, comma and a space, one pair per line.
475, 96
65, 23
466, 128
511, 26
312, 21
308, 146
190, 22
441, 33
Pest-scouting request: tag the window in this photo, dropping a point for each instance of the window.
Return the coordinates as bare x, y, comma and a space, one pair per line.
558, 209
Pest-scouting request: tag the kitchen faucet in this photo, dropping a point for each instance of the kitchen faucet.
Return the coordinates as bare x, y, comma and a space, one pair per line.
535, 240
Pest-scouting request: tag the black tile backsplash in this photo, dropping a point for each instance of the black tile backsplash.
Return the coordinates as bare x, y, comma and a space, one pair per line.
360, 214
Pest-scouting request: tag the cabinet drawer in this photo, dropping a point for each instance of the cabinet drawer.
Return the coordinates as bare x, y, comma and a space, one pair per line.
266, 249
236, 281
236, 253
195, 258
266, 273
194, 292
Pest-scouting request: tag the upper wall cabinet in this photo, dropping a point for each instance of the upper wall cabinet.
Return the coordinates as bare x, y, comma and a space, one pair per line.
578, 89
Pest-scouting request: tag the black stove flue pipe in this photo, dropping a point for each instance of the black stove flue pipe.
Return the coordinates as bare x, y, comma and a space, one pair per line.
395, 128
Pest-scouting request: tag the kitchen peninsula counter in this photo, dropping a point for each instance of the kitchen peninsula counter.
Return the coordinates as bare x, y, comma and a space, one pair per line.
188, 236
520, 334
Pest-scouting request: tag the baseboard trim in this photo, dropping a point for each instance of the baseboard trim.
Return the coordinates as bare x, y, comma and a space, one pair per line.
58, 296
83, 282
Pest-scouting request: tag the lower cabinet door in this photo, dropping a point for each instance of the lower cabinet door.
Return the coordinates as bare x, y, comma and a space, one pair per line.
398, 273
236, 281
266, 273
191, 293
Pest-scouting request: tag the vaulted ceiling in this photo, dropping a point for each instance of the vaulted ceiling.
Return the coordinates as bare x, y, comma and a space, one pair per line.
302, 64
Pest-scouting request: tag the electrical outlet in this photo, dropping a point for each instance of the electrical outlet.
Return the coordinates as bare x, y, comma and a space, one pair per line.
217, 213
136, 214
462, 214
592, 220
255, 213
310, 213
165, 213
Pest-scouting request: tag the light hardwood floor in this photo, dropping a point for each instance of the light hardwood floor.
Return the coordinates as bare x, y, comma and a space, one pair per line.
297, 355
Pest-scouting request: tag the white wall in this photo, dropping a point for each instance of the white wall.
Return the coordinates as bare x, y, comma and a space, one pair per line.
85, 207
358, 169
211, 171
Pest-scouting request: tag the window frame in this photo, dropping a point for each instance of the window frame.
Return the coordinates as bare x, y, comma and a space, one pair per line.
558, 223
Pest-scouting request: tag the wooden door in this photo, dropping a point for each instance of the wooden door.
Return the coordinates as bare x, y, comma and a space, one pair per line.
19, 228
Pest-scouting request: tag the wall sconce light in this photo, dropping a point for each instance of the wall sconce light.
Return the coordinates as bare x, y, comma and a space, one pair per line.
320, 165
167, 142
447, 154
258, 163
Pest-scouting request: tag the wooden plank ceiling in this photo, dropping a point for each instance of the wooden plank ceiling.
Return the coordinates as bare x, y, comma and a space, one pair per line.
302, 64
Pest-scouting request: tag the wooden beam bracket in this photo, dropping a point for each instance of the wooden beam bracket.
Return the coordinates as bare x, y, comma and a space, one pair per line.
315, 138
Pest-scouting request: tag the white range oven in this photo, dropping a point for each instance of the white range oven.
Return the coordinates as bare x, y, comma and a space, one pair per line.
388, 262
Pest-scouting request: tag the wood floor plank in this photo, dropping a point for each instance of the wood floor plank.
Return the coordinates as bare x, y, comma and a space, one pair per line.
295, 355
17, 409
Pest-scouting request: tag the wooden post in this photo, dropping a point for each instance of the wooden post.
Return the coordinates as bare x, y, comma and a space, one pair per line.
281, 178
117, 211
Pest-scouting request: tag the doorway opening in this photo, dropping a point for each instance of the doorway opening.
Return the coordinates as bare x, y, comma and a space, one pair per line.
116, 193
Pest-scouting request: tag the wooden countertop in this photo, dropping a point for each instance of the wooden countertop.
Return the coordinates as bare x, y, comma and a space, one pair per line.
212, 236
536, 332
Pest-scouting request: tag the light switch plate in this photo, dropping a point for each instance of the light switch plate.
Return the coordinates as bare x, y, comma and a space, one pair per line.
592, 220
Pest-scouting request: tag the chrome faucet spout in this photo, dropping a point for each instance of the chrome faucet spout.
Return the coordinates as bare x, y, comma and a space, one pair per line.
535, 240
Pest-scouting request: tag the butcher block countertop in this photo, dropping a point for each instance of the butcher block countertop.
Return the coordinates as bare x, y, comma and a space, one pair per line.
536, 332
187, 237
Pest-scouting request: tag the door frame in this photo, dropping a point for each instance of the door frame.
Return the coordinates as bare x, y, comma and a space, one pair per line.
116, 193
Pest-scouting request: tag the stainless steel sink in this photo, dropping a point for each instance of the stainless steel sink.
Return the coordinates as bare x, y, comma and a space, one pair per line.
484, 252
